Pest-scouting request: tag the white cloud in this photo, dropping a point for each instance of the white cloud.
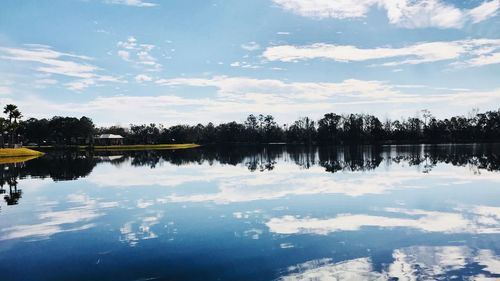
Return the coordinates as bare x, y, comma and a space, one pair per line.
493, 58
327, 9
135, 3
484, 11
477, 51
51, 61
259, 90
48, 61
124, 55
143, 78
79, 85
232, 98
139, 54
404, 13
250, 46
424, 13
244, 64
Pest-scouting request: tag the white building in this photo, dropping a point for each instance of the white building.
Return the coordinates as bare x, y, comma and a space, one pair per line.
109, 139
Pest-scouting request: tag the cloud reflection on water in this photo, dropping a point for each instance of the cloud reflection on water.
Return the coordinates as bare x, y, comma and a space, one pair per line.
411, 263
235, 184
480, 219
51, 222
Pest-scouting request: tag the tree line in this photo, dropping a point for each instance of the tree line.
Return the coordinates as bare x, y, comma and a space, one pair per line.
332, 128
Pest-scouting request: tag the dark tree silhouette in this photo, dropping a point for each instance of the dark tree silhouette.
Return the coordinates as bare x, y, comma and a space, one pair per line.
259, 129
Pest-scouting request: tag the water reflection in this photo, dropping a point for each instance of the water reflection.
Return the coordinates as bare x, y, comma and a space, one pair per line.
476, 219
255, 213
71, 165
412, 263
9, 180
78, 216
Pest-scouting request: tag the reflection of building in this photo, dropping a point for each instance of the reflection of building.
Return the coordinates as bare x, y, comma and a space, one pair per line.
110, 158
109, 139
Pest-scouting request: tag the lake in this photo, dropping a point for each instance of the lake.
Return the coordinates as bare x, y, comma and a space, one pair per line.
276, 212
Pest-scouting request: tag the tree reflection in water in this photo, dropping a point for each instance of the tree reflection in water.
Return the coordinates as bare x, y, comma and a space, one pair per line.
8, 177
72, 165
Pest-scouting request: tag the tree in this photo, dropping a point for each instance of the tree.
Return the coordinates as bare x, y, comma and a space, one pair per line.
302, 131
427, 116
13, 114
3, 128
35, 130
328, 128
252, 128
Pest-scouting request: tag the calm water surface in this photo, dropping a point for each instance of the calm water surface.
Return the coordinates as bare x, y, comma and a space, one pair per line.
254, 213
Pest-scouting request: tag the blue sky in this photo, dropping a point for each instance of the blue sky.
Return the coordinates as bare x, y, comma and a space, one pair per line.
133, 61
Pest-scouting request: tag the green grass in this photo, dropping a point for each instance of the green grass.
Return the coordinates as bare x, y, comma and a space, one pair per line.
146, 146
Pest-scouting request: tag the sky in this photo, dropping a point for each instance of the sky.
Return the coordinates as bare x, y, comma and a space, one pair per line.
195, 61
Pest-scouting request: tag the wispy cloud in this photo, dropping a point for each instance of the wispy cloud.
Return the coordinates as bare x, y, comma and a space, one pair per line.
484, 11
250, 46
51, 61
143, 78
231, 98
404, 13
252, 89
45, 60
474, 52
139, 54
134, 3
244, 64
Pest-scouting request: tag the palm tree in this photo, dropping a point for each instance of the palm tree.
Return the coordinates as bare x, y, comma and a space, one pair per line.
16, 114
12, 112
9, 110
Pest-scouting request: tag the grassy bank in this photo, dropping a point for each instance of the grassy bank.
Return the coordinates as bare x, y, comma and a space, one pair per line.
19, 152
19, 159
146, 146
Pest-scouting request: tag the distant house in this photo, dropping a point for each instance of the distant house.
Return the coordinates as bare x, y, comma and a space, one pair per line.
109, 139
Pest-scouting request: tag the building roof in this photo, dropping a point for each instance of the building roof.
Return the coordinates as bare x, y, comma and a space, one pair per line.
109, 136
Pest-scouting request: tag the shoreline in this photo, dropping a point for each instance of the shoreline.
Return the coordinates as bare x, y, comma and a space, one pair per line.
193, 145
137, 147
120, 147
19, 152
